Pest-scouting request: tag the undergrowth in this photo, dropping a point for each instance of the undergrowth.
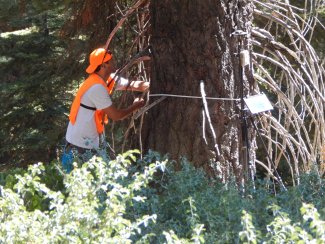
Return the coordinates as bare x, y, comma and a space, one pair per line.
128, 200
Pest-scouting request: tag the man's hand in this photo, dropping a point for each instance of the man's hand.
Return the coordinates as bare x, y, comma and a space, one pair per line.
139, 101
119, 114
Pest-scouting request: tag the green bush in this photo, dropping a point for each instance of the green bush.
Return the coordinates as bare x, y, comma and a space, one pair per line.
91, 210
129, 200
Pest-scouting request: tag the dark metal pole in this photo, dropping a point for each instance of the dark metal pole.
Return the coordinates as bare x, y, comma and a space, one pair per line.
244, 127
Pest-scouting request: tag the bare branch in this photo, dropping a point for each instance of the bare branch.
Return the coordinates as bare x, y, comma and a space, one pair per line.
120, 23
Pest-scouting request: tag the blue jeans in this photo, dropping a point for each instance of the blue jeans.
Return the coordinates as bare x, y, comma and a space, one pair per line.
73, 154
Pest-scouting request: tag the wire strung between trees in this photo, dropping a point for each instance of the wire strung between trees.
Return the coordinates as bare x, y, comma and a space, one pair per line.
193, 97
164, 95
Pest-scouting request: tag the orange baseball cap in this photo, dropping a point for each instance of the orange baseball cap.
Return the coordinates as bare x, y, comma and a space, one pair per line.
97, 57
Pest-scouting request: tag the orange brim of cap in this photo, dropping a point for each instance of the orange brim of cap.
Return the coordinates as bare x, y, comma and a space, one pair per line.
92, 67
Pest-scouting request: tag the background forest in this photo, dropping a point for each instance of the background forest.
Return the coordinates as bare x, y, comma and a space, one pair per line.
44, 48
42, 62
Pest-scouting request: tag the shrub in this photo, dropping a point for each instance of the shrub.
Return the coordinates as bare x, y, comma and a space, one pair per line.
92, 210
129, 200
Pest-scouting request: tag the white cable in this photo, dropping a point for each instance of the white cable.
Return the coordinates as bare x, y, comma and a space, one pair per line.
194, 97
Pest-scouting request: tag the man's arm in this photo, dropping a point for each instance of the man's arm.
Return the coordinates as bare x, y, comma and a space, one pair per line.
136, 85
119, 114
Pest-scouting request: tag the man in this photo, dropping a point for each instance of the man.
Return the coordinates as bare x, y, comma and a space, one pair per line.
92, 105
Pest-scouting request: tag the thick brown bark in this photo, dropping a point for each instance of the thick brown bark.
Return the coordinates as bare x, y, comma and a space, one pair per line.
192, 40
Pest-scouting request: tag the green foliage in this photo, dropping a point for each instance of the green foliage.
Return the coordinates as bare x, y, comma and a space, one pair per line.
91, 210
129, 200
37, 73
189, 206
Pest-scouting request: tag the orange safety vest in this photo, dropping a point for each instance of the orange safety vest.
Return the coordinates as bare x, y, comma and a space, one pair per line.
99, 117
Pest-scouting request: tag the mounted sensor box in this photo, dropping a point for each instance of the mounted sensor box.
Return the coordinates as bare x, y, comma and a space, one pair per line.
258, 103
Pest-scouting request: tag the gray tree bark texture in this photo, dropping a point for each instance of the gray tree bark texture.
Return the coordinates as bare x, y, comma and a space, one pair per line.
192, 41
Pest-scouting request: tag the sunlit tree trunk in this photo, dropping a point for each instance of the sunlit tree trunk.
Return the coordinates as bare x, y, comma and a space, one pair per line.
193, 41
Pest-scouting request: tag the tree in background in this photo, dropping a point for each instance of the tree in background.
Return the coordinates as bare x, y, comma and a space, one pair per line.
38, 68
284, 66
195, 41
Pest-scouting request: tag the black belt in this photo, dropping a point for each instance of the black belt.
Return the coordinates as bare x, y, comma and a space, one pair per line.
87, 107
79, 149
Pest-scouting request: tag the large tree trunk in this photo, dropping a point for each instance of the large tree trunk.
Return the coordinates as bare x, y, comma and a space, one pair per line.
193, 41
